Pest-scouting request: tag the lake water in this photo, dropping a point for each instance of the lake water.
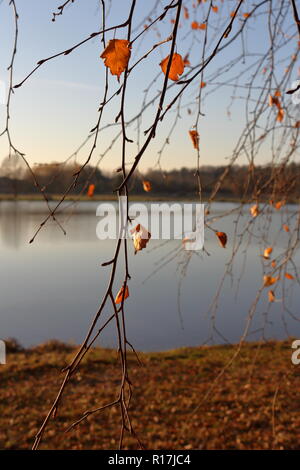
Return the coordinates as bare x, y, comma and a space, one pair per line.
52, 287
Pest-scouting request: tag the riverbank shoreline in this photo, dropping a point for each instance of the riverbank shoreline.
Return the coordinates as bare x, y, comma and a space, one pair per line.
254, 403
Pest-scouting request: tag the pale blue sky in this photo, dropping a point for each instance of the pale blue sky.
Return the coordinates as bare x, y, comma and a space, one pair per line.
54, 110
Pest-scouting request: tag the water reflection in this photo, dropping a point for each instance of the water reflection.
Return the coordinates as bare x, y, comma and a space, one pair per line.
51, 288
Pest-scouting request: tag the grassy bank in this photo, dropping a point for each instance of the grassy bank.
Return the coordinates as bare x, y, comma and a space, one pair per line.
255, 404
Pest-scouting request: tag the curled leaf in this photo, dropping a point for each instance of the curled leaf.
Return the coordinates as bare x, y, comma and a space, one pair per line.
267, 252
269, 280
286, 227
271, 296
147, 186
91, 190
177, 66
222, 238
195, 139
254, 210
116, 56
141, 237
122, 295
289, 276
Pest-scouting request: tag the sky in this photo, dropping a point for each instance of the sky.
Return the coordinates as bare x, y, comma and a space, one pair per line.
53, 112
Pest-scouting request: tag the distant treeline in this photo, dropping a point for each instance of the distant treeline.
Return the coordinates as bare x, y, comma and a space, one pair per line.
233, 182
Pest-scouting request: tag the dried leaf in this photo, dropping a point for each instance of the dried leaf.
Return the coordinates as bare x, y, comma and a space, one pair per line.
289, 276
122, 295
215, 9
147, 186
202, 26
91, 190
177, 66
202, 84
254, 210
222, 238
271, 296
269, 280
116, 56
279, 205
280, 115
195, 25
141, 237
267, 252
186, 13
195, 139
286, 227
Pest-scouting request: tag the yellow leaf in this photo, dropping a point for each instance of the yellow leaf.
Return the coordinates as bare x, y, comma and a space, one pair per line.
176, 69
116, 56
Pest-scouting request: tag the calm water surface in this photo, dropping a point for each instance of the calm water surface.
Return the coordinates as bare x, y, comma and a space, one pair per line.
52, 287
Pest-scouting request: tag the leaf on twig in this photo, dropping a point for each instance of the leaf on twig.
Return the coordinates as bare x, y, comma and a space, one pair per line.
271, 296
91, 190
254, 210
122, 295
141, 237
222, 238
269, 280
195, 139
177, 66
289, 276
147, 186
267, 252
116, 56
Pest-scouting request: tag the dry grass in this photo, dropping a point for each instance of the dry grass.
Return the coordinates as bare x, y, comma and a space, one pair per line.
241, 413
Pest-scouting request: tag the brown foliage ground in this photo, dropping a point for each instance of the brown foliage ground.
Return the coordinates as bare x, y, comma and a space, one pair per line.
243, 412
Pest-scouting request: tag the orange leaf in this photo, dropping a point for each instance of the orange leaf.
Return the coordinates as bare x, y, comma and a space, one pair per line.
273, 264
280, 115
289, 276
186, 13
267, 252
271, 296
91, 190
202, 84
116, 56
177, 66
269, 280
279, 205
202, 26
277, 93
297, 125
286, 227
215, 9
141, 237
122, 295
222, 238
147, 186
195, 139
246, 15
254, 210
195, 25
